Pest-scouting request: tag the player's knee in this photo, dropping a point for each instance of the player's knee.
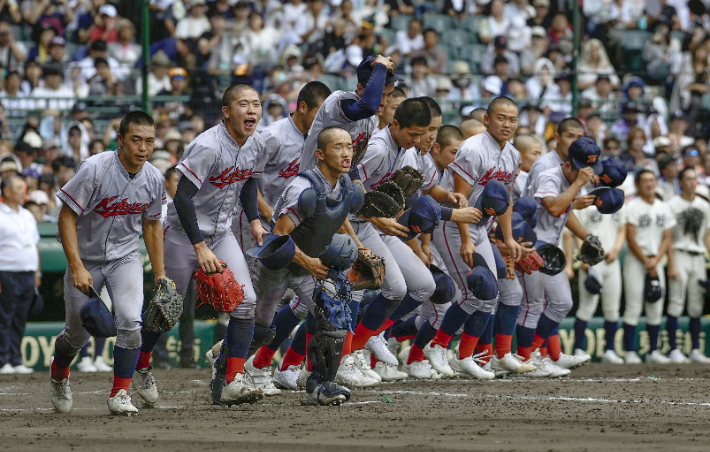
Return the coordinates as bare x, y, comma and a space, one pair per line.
300, 309
128, 339
247, 309
424, 289
610, 314
695, 310
395, 291
71, 345
675, 308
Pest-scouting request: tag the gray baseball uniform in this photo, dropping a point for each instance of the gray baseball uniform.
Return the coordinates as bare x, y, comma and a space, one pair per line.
219, 167
688, 255
330, 114
550, 160
478, 160
110, 204
543, 292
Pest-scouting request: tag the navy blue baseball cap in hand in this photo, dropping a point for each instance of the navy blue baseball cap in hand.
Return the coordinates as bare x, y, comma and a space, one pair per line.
609, 200
276, 251
522, 232
494, 200
613, 173
481, 280
527, 207
364, 71
585, 153
421, 218
593, 282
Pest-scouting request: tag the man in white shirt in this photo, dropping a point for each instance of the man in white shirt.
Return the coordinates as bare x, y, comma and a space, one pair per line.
19, 272
55, 91
411, 40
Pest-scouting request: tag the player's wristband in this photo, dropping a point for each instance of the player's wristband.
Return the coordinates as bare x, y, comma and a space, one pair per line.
446, 213
354, 174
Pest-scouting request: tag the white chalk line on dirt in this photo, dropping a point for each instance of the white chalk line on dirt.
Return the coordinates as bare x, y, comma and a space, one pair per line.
34, 410
541, 398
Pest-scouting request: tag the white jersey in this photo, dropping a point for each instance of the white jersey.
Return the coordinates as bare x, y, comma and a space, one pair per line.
521, 183
218, 167
331, 115
544, 163
284, 144
692, 223
550, 183
606, 227
651, 220
110, 205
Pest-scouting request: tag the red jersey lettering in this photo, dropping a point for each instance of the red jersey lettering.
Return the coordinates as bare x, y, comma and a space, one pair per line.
230, 176
122, 207
292, 169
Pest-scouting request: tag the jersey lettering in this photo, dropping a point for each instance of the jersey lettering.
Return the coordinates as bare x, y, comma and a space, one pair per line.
386, 178
660, 221
644, 221
500, 175
122, 207
292, 169
230, 176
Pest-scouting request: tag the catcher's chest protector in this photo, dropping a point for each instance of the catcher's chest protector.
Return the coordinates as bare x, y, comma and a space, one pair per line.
315, 233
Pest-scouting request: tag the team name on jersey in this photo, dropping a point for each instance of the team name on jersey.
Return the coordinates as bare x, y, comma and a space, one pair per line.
386, 178
292, 169
230, 176
500, 175
122, 207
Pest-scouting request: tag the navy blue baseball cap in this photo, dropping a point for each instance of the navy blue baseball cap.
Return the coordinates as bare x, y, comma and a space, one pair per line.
364, 71
527, 207
276, 251
593, 282
481, 281
494, 200
609, 200
445, 287
421, 218
522, 232
585, 153
613, 172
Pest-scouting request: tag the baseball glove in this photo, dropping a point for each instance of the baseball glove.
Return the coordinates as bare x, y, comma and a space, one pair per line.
164, 309
368, 271
530, 263
591, 251
385, 201
219, 290
409, 180
553, 257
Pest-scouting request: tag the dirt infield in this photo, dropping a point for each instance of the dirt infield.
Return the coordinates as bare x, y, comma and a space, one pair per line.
602, 407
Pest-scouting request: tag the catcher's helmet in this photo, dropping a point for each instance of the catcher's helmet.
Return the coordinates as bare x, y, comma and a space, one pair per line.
553, 256
276, 252
341, 253
96, 317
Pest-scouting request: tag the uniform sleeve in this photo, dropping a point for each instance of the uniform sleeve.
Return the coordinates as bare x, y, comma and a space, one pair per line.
272, 144
547, 187
671, 218
468, 164
333, 109
287, 204
429, 172
372, 161
631, 217
154, 210
259, 148
78, 192
198, 163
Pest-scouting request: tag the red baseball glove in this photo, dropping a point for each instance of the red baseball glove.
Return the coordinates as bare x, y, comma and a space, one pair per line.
531, 263
219, 290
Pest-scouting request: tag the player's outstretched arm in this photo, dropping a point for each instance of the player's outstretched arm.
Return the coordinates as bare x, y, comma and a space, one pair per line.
154, 243
249, 199
284, 226
264, 207
81, 278
575, 226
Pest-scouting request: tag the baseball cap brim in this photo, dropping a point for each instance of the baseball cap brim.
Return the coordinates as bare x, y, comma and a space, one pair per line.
392, 78
596, 166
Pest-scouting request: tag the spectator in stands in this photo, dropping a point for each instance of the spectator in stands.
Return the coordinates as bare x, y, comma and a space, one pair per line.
462, 88
87, 21
241, 15
542, 80
105, 28
15, 107
412, 39
41, 199
48, 184
397, 7
311, 26
19, 272
662, 54
559, 99
661, 145
531, 117
690, 86
496, 25
10, 12
64, 169
43, 13
596, 128
8, 166
158, 78
421, 83
636, 141
458, 9
519, 8
35, 210
519, 35
628, 119
537, 48
593, 62
56, 57
261, 41
102, 82
691, 159
40, 51
220, 8
542, 16
26, 154
98, 49
123, 49
677, 128
491, 86
190, 28
178, 87
668, 185
436, 57
76, 143
96, 146
600, 92
500, 48
62, 96
12, 53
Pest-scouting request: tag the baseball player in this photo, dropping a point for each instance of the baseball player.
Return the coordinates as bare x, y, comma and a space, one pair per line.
649, 232
105, 203
217, 170
353, 111
478, 160
686, 264
312, 232
611, 230
284, 141
530, 150
555, 191
385, 118
472, 127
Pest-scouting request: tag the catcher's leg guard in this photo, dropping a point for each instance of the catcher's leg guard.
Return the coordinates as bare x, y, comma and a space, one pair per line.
324, 351
219, 374
262, 336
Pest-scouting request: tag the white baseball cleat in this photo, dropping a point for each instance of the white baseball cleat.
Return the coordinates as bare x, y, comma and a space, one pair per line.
144, 384
566, 361
261, 378
696, 356
303, 375
541, 368
240, 391
557, 371
677, 357
60, 395
287, 379
438, 359
421, 370
101, 365
22, 369
510, 363
656, 357
388, 372
632, 358
86, 365
363, 365
120, 404
349, 375
580, 352
610, 357
378, 347
469, 368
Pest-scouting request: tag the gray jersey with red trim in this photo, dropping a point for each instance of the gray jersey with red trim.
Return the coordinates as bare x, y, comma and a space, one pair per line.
110, 205
549, 183
331, 115
284, 144
544, 163
218, 167
424, 164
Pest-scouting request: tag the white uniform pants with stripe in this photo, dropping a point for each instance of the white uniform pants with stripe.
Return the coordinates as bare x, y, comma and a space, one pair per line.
544, 293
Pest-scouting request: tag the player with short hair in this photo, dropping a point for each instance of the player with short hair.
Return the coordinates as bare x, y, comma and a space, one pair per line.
686, 264
387, 116
471, 127
649, 233
219, 169
530, 150
105, 203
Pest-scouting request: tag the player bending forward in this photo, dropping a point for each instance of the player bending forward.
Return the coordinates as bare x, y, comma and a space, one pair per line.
104, 204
